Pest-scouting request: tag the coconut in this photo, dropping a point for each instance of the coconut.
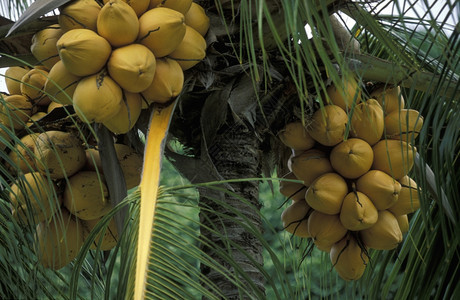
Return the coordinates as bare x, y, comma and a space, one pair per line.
108, 240
390, 98
59, 154
161, 30
404, 124
292, 190
349, 258
128, 114
358, 212
396, 158
181, 6
326, 229
409, 198
132, 67
295, 136
13, 76
295, 219
33, 198
191, 50
43, 45
380, 187
79, 14
196, 18
131, 164
22, 155
59, 241
32, 84
403, 222
139, 6
367, 121
326, 193
385, 234
15, 110
61, 84
310, 165
352, 158
117, 22
344, 95
328, 125
93, 160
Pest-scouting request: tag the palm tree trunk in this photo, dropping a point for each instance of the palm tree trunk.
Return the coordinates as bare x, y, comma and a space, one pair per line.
235, 155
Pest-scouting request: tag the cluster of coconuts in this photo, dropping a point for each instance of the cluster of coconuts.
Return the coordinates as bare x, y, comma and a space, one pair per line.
355, 192
60, 187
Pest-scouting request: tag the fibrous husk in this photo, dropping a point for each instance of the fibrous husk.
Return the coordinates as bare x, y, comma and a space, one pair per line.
358, 212
390, 98
109, 239
167, 82
32, 84
86, 196
59, 154
408, 200
191, 50
396, 158
324, 228
132, 67
83, 51
33, 198
367, 121
43, 45
130, 163
380, 187
79, 14
61, 84
295, 219
59, 240
328, 125
346, 95
22, 155
385, 234
295, 136
292, 190
310, 165
326, 193
97, 98
197, 19
349, 258
15, 110
404, 124
13, 76
117, 22
352, 158
181, 6
161, 30
128, 114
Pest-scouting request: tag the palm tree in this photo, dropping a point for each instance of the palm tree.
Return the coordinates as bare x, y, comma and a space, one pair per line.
208, 237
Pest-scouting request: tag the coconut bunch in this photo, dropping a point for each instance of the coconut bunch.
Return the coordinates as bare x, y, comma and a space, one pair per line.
60, 186
111, 61
352, 194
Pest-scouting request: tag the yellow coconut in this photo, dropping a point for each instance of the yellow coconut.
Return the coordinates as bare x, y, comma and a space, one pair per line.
33, 198
97, 98
324, 228
105, 242
385, 234
390, 98
352, 158
326, 193
86, 196
79, 14
310, 165
196, 18
83, 51
295, 136
191, 50
128, 114
409, 198
367, 122
130, 163
93, 160
344, 95
167, 82
13, 76
139, 6
328, 125
349, 258
117, 22
53, 105
132, 67
59, 154
181, 6
404, 124
396, 158
15, 110
292, 190
35, 117
59, 240
295, 219
43, 45
380, 187
60, 84
161, 30
403, 222
32, 84
22, 155
358, 212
